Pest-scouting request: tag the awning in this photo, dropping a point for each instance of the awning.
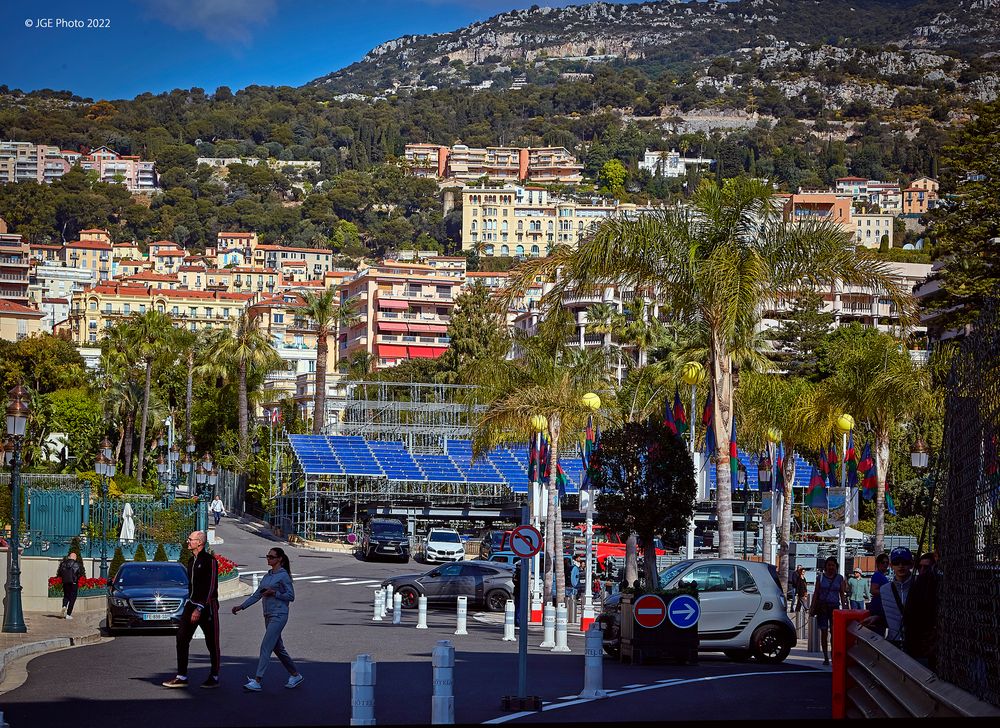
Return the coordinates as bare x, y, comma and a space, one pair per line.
426, 352
395, 305
437, 329
420, 328
388, 351
392, 326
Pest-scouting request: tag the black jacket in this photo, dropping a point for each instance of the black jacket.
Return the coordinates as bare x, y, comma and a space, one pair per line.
203, 575
70, 571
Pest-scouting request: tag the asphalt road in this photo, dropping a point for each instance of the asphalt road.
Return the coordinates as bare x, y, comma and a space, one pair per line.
118, 682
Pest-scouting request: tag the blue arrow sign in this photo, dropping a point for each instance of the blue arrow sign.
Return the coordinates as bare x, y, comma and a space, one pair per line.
683, 611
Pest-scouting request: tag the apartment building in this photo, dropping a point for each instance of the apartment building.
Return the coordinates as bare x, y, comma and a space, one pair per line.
507, 164
526, 221
54, 284
671, 164
15, 262
403, 312
41, 163
124, 251
18, 321
920, 196
166, 259
817, 206
136, 174
319, 261
870, 228
46, 253
97, 307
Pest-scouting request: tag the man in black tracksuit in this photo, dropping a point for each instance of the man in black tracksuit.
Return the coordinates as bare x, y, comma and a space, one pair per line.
202, 609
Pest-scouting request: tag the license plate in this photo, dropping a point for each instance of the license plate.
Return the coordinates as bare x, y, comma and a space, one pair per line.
156, 617
386, 548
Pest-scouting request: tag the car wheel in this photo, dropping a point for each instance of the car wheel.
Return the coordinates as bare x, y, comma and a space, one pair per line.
770, 644
738, 655
408, 597
496, 600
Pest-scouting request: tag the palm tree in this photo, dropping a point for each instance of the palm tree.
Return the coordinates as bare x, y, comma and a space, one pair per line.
640, 329
328, 315
548, 380
880, 387
718, 262
151, 334
243, 351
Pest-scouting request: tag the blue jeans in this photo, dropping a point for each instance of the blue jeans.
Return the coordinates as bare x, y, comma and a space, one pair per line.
272, 643
856, 604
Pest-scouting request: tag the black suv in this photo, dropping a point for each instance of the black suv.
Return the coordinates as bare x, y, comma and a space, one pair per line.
385, 537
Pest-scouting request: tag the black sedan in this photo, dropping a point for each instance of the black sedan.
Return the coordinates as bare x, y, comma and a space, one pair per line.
486, 584
147, 595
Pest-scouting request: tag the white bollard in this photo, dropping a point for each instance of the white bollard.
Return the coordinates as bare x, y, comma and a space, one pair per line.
463, 612
593, 664
561, 626
256, 582
379, 596
397, 608
508, 622
443, 696
387, 602
363, 691
422, 612
548, 626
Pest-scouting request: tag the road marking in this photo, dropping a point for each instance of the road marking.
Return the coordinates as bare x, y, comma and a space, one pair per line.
341, 578
367, 582
636, 685
628, 690
307, 578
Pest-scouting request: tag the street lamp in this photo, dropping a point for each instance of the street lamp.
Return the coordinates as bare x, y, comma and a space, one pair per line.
919, 457
206, 477
693, 374
189, 471
17, 424
741, 479
592, 402
845, 423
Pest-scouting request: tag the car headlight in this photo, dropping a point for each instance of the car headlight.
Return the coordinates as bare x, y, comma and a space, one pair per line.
119, 602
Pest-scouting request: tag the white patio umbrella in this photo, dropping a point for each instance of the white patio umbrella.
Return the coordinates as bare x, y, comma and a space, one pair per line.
128, 525
849, 533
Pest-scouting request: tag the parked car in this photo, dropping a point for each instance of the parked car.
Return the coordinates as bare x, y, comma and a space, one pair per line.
443, 544
504, 557
386, 538
743, 612
494, 540
147, 595
486, 584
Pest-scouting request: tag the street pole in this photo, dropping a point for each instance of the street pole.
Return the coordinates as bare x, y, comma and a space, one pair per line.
842, 534
691, 441
522, 638
537, 502
746, 517
101, 472
17, 420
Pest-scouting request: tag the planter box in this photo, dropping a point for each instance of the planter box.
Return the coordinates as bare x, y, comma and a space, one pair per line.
665, 642
57, 593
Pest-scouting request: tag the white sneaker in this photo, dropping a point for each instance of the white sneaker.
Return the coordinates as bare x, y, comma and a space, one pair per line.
294, 681
252, 685
63, 612
69, 616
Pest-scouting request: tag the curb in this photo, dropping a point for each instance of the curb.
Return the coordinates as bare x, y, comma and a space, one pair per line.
41, 646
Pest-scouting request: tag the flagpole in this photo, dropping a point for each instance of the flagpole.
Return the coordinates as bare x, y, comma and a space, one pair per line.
594, 403
844, 424
693, 374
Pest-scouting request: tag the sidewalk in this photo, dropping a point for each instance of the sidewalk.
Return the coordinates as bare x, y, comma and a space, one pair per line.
47, 632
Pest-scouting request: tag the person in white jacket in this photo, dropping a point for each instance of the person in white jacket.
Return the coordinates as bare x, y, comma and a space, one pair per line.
218, 510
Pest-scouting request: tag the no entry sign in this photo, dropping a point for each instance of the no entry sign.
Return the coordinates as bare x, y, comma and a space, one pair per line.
650, 611
525, 541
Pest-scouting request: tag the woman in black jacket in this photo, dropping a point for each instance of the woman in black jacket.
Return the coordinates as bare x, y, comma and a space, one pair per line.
69, 572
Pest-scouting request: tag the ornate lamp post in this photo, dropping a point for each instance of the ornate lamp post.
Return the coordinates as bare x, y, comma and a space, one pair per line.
191, 463
173, 461
206, 477
845, 423
105, 467
593, 403
693, 374
919, 457
17, 423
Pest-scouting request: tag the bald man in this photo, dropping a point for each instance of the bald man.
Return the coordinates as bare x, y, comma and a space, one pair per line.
202, 608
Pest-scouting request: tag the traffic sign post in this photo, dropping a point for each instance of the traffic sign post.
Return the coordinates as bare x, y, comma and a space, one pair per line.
649, 611
683, 611
525, 541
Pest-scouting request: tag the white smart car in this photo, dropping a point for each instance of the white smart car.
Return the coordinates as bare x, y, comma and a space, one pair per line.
444, 544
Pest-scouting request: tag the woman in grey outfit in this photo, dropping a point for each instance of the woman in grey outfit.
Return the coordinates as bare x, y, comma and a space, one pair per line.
277, 591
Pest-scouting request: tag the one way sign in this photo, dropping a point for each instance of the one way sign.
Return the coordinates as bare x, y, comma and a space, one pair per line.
683, 611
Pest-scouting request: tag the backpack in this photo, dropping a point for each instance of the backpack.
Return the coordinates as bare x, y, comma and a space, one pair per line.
66, 571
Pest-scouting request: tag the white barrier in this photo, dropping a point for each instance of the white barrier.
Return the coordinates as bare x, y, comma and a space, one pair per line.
379, 597
562, 622
422, 612
397, 608
387, 603
256, 582
593, 664
363, 691
443, 696
508, 622
548, 626
463, 613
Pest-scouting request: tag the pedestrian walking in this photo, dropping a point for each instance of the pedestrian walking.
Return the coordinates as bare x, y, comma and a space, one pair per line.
879, 578
277, 591
830, 594
201, 609
800, 586
894, 596
69, 572
857, 589
920, 613
217, 508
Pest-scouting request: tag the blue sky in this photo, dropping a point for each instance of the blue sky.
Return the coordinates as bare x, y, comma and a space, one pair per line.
158, 45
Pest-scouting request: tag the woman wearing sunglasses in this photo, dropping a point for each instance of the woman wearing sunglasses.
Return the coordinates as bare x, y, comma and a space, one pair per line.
277, 591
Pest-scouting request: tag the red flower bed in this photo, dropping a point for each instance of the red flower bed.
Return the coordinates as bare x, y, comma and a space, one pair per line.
98, 584
226, 566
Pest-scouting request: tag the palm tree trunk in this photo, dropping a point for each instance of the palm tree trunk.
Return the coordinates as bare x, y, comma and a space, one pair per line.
786, 521
319, 398
649, 556
190, 394
557, 544
631, 562
550, 540
882, 466
128, 437
243, 407
145, 416
722, 374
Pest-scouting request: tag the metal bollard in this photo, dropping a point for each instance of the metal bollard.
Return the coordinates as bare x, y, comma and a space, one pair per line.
387, 603
561, 626
593, 664
549, 627
363, 690
463, 613
379, 597
443, 696
422, 612
397, 608
508, 622
256, 582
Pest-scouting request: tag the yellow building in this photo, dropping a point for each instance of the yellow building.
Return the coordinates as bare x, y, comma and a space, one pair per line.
319, 261
18, 322
92, 255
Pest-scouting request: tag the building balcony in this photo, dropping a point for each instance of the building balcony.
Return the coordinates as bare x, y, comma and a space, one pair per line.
18, 293
412, 296
412, 340
14, 277
17, 261
427, 318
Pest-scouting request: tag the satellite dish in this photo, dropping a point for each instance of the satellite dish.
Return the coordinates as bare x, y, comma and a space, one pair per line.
909, 246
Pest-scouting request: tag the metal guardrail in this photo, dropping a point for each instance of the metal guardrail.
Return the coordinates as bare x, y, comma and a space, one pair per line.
872, 678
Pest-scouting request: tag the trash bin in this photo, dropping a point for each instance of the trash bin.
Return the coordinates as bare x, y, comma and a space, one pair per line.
571, 615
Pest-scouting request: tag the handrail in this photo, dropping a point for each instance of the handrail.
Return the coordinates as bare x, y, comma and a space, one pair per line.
872, 678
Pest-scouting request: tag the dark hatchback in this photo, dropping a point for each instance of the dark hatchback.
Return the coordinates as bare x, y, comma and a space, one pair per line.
147, 595
486, 583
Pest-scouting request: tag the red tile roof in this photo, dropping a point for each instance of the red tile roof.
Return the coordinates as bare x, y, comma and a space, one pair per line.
17, 308
88, 245
234, 235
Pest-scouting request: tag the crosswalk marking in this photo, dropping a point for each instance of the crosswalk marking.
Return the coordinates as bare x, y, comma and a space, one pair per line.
321, 579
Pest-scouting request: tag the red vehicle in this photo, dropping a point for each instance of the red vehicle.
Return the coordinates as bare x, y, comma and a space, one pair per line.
607, 543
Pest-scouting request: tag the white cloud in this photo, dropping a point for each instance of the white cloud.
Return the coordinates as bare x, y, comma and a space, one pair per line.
221, 21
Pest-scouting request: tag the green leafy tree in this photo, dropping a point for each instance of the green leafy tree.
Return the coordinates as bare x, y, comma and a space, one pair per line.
476, 332
646, 482
116, 563
613, 176
799, 334
78, 414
